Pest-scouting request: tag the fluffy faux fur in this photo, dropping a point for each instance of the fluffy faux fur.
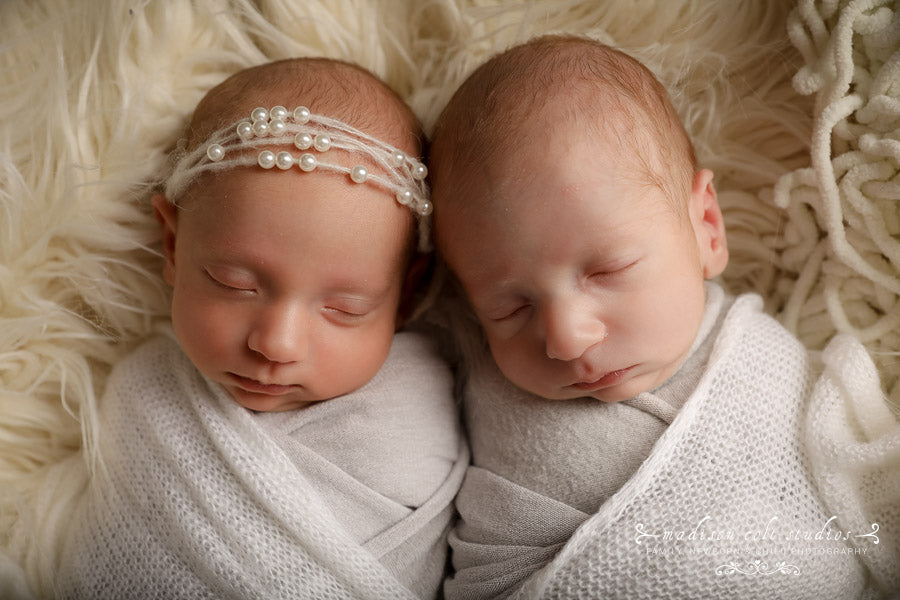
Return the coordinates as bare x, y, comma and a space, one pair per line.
795, 108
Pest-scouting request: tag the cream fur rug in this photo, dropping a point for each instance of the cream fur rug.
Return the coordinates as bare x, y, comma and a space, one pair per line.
796, 109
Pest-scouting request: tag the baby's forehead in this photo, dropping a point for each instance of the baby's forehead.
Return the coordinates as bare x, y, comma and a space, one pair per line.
579, 107
519, 126
591, 133
235, 200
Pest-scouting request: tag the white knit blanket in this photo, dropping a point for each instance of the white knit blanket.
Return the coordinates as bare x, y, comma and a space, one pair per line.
770, 482
195, 499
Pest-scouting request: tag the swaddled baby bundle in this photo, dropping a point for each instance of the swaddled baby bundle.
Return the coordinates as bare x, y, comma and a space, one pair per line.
771, 481
196, 497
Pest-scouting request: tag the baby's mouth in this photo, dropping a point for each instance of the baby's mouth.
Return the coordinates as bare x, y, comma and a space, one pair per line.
258, 387
608, 380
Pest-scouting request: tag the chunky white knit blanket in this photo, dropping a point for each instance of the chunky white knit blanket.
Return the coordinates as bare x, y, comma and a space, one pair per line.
195, 498
771, 482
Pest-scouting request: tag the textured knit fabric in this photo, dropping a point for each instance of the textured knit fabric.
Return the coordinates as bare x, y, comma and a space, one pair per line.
726, 504
200, 498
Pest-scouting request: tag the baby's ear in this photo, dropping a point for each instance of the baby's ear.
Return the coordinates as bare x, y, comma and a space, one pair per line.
167, 215
709, 227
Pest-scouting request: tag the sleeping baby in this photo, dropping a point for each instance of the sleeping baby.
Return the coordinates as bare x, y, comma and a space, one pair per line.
635, 431
285, 438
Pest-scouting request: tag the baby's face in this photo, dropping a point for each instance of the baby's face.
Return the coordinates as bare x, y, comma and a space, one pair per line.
586, 283
286, 284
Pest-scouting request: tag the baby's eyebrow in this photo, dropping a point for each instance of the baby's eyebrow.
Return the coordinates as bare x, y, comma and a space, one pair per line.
354, 296
216, 252
353, 290
486, 298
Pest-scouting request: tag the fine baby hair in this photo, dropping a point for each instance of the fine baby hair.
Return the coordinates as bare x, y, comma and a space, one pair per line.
603, 89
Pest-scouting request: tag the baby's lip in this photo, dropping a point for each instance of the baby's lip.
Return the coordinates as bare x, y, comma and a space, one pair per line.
608, 380
258, 387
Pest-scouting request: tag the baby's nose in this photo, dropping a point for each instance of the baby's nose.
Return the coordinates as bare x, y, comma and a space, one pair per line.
570, 330
280, 333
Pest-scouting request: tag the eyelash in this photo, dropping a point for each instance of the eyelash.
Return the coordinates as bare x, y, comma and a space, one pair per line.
344, 317
343, 311
510, 315
615, 271
225, 286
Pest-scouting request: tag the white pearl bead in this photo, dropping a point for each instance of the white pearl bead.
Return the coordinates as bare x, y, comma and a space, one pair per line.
301, 114
260, 128
245, 130
307, 162
303, 141
215, 152
284, 160
322, 142
405, 197
266, 159
278, 112
276, 127
425, 208
359, 174
419, 172
398, 158
259, 114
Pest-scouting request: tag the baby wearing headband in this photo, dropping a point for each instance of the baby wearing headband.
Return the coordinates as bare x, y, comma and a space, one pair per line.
286, 439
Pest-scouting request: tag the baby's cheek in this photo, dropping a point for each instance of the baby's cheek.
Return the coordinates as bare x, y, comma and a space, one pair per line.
343, 361
517, 365
206, 332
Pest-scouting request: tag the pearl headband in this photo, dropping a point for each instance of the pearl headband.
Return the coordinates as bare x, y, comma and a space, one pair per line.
401, 175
